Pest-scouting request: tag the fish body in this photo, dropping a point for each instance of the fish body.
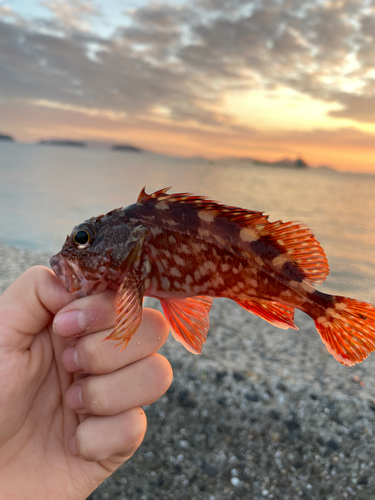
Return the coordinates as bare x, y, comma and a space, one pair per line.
185, 250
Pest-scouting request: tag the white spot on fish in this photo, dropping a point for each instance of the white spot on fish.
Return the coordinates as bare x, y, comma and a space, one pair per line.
254, 283
154, 282
333, 313
160, 266
206, 216
258, 260
218, 281
175, 272
172, 239
146, 266
167, 253
171, 222
188, 279
203, 270
155, 230
154, 251
176, 284
210, 266
196, 288
340, 306
165, 283
307, 287
322, 320
178, 260
295, 284
165, 263
279, 261
196, 248
162, 206
286, 293
197, 275
147, 283
247, 234
184, 248
224, 267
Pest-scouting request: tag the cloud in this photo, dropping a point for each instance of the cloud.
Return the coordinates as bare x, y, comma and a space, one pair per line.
72, 14
176, 62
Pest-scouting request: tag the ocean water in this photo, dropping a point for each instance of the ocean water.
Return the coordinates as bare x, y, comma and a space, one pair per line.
46, 190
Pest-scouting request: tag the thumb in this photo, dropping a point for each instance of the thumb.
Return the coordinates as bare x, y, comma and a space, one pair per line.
28, 305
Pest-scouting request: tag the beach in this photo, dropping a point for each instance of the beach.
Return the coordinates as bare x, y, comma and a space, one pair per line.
262, 413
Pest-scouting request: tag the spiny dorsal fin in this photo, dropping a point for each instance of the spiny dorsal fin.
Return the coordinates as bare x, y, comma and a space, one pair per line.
294, 240
157, 196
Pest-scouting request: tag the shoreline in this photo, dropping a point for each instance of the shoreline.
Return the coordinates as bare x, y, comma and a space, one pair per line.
262, 413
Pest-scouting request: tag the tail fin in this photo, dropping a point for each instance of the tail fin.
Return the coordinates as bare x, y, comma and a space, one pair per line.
348, 330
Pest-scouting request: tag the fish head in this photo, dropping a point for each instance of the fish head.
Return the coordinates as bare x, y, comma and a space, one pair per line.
98, 252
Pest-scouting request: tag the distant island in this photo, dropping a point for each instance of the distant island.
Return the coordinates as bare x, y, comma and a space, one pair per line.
284, 162
8, 138
62, 142
126, 147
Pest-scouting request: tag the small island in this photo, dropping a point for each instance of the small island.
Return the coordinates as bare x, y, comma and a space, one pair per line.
62, 142
126, 147
283, 162
7, 138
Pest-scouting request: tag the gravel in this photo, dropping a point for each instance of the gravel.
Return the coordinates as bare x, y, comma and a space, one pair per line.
263, 413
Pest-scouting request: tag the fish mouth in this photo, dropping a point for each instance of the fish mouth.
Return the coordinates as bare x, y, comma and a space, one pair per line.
71, 276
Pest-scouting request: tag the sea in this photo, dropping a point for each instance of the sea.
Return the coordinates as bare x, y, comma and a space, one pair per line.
46, 190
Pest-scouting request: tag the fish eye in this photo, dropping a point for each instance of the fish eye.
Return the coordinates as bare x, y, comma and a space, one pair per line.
82, 238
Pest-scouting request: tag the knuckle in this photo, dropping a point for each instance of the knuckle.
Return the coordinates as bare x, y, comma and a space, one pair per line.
90, 354
94, 396
162, 370
85, 443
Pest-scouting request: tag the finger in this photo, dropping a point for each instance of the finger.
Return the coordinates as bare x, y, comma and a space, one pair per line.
28, 305
111, 438
92, 355
86, 315
138, 384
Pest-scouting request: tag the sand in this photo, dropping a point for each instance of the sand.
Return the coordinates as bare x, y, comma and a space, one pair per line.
262, 413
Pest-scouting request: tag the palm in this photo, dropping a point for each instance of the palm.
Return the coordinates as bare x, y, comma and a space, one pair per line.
42, 425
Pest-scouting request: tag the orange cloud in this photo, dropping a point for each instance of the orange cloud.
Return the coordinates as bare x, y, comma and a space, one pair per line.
345, 149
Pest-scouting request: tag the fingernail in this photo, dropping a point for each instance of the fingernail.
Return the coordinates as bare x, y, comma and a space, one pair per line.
72, 446
70, 359
74, 398
69, 323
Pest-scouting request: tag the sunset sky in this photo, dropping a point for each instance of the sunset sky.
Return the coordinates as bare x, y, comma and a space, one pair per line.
260, 78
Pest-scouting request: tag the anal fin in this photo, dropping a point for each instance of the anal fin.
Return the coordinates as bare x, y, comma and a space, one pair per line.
188, 320
275, 313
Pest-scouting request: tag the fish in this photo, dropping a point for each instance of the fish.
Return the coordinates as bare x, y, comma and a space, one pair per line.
185, 250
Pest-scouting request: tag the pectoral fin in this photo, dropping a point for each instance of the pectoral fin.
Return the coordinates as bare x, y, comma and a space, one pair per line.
275, 313
128, 309
188, 320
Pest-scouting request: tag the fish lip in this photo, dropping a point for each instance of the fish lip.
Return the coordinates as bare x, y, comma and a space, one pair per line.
70, 275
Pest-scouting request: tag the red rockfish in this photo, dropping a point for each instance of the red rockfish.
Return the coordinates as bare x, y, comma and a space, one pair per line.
185, 250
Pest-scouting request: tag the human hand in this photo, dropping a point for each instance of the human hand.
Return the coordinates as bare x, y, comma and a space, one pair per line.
70, 404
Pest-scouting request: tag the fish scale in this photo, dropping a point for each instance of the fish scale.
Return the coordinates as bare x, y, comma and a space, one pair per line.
185, 250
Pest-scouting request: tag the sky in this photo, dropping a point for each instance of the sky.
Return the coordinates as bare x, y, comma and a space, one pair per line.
266, 79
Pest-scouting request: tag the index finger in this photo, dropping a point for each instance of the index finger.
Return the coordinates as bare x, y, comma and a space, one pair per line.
92, 355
